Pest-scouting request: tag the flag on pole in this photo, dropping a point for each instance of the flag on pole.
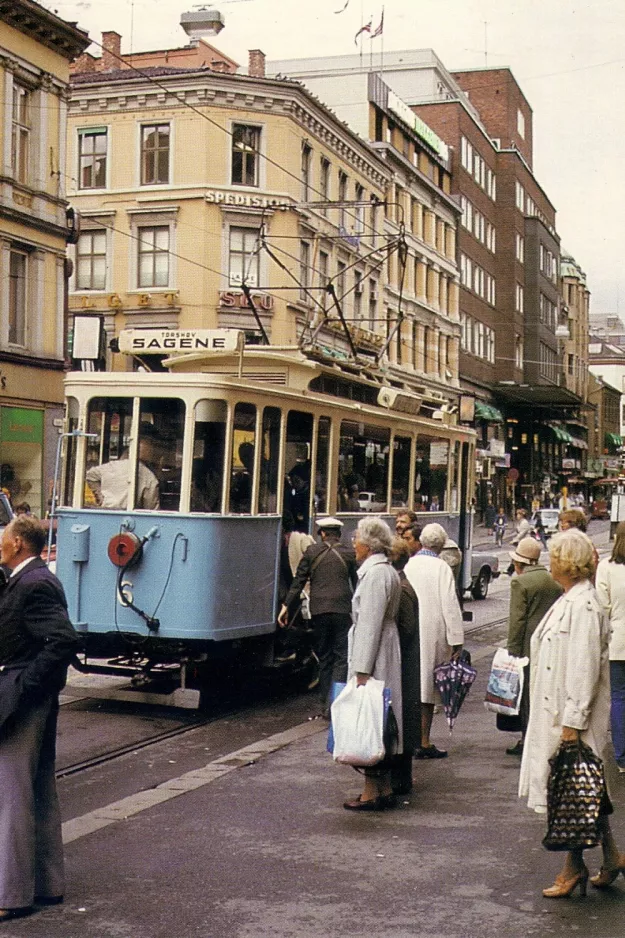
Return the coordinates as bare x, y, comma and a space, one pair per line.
380, 29
342, 10
363, 29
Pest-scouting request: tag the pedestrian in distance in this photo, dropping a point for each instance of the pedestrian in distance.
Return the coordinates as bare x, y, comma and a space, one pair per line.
408, 628
37, 642
539, 529
570, 697
441, 629
611, 592
374, 647
499, 527
532, 593
522, 529
330, 568
490, 513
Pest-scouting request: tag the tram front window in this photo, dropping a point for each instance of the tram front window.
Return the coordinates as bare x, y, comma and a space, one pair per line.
432, 462
208, 455
110, 476
161, 432
363, 464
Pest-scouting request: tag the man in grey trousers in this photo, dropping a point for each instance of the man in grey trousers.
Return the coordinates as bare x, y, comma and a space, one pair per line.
37, 641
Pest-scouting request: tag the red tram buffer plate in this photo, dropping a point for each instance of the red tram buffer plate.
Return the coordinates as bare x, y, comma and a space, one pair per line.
124, 550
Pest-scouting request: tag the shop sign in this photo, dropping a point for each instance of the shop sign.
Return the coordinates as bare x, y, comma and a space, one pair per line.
610, 462
165, 341
3, 381
21, 425
570, 463
497, 448
243, 200
419, 126
236, 300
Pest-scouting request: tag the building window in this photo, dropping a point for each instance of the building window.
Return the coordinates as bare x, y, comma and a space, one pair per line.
153, 257
18, 272
245, 155
520, 123
91, 261
342, 199
244, 263
306, 159
359, 226
340, 281
519, 196
519, 303
518, 352
304, 270
491, 237
324, 182
358, 287
323, 277
373, 303
154, 154
520, 248
20, 133
92, 146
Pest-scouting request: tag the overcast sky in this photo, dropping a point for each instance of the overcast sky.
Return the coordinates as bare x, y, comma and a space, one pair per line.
568, 57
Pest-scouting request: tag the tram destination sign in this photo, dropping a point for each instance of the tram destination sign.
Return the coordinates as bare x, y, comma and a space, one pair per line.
166, 341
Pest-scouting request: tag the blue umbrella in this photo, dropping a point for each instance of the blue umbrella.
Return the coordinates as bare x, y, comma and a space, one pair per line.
454, 680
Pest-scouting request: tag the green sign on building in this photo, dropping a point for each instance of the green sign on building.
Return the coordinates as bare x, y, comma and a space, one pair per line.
21, 425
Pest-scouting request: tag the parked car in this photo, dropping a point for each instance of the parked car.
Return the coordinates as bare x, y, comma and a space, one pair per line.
484, 569
369, 501
550, 518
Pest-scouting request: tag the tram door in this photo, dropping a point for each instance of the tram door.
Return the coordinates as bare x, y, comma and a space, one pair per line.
297, 494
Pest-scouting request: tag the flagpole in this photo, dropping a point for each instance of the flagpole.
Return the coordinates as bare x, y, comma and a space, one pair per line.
362, 23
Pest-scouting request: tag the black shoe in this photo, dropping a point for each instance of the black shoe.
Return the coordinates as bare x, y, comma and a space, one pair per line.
430, 752
48, 900
516, 750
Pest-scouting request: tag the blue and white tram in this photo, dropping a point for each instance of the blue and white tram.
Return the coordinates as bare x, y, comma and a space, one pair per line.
175, 483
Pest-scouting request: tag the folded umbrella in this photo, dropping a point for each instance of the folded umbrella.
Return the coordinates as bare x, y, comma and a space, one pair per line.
454, 680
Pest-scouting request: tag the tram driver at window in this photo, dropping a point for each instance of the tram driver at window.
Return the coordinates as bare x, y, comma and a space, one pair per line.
109, 482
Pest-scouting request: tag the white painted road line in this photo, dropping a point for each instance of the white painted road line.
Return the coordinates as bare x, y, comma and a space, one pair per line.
142, 800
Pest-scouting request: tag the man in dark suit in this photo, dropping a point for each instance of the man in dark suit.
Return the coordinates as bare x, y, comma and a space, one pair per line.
37, 641
330, 567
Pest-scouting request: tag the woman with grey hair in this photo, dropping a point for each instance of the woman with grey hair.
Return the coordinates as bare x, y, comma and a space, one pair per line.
570, 697
442, 632
374, 649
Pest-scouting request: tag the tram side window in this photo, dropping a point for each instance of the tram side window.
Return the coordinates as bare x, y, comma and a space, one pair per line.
363, 463
299, 432
209, 447
242, 459
322, 466
432, 462
401, 471
159, 470
454, 478
269, 461
108, 475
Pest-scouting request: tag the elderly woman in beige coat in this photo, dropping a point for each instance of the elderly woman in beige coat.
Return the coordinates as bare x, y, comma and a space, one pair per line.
569, 695
440, 617
374, 649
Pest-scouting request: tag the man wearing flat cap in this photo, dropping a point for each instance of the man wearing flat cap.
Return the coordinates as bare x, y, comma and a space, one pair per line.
330, 568
532, 594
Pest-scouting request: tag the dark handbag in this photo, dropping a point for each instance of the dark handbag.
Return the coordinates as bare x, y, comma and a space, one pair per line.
577, 798
509, 724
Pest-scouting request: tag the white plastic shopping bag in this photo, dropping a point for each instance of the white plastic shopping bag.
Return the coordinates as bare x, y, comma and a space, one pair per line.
505, 683
358, 723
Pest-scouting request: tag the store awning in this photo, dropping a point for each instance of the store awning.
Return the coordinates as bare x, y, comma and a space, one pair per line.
613, 439
484, 411
561, 435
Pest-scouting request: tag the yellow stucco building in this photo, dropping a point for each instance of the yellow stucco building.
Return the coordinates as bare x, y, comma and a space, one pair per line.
36, 48
194, 179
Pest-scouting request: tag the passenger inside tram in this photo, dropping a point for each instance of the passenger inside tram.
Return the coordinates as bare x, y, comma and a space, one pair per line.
109, 481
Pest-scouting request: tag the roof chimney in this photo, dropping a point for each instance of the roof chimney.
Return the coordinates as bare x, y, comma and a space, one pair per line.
256, 67
111, 51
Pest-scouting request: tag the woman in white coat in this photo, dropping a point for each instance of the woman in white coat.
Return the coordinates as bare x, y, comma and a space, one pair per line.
611, 592
440, 617
373, 644
569, 695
